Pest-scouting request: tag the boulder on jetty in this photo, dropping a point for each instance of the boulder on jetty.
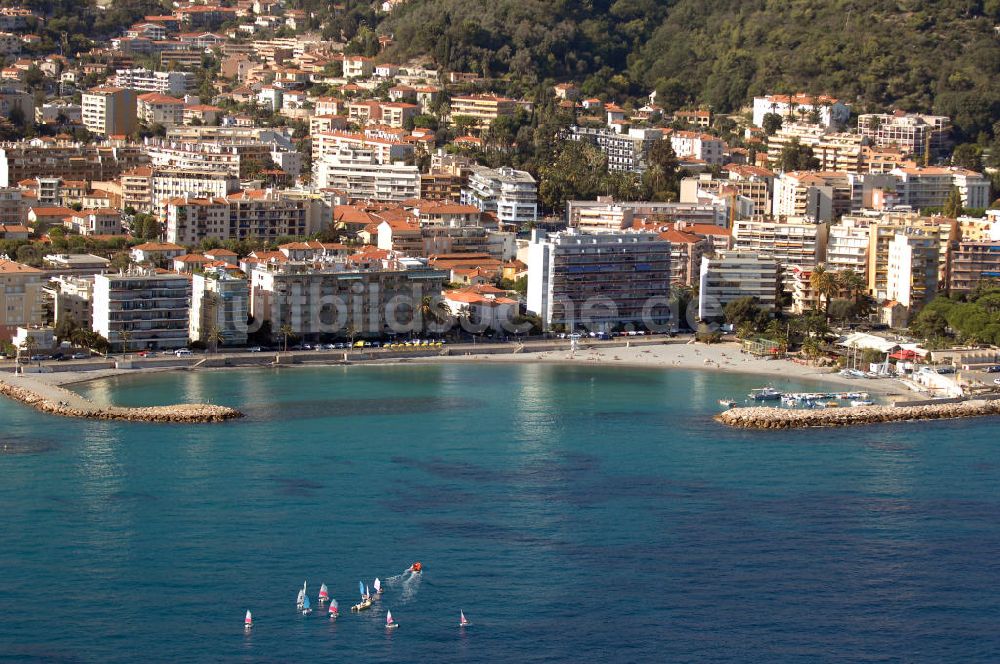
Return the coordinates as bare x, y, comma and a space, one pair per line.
177, 414
785, 418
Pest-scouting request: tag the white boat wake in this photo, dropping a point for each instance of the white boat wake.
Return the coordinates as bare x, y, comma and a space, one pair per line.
408, 583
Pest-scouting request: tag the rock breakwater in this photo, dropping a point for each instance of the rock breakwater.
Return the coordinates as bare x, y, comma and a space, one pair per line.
784, 418
178, 414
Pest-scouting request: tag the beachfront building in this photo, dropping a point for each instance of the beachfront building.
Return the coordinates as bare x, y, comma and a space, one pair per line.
600, 281
20, 297
912, 276
733, 274
342, 298
220, 303
510, 194
150, 309
847, 246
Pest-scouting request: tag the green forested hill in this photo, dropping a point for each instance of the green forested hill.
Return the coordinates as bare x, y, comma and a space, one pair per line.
921, 55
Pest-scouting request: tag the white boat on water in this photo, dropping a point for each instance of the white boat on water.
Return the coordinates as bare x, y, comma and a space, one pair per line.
334, 609
765, 394
324, 594
248, 622
862, 402
462, 620
377, 585
389, 622
306, 607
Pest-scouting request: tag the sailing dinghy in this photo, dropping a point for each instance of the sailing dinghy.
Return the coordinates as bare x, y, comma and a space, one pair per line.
299, 601
324, 594
248, 622
389, 623
306, 609
462, 620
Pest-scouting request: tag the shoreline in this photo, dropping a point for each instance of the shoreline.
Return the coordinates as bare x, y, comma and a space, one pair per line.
716, 358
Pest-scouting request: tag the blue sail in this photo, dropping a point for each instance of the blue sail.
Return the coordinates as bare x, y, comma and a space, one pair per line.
361, 588
305, 602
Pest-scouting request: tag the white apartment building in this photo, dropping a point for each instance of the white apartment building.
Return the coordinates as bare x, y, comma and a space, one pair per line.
173, 83
930, 186
819, 196
156, 108
625, 152
152, 308
603, 219
109, 111
707, 148
734, 274
361, 175
512, 195
599, 281
847, 246
170, 183
242, 157
219, 301
832, 112
913, 268
384, 151
791, 241
912, 133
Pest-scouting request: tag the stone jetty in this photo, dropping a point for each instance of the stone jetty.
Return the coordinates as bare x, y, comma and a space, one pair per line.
49, 400
785, 418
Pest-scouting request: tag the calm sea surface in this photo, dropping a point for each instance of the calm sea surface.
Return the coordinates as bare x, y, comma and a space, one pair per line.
573, 513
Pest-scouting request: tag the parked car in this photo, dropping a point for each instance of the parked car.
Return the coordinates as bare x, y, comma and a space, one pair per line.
183, 352
254, 349
80, 356
38, 358
994, 369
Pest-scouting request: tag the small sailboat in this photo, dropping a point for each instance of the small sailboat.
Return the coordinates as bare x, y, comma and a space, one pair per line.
334, 609
248, 622
324, 594
389, 623
462, 620
366, 600
306, 609
377, 585
300, 600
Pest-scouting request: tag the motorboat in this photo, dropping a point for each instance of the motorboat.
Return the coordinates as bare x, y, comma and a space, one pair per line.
765, 394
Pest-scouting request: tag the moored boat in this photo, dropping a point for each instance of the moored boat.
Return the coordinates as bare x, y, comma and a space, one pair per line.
765, 394
727, 403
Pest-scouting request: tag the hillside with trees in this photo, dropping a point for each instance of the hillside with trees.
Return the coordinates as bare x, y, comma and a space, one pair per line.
941, 57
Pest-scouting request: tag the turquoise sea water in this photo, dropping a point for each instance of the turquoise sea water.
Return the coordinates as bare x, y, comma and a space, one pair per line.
574, 513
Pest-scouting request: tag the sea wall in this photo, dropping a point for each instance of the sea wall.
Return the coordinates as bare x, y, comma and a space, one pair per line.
178, 414
784, 418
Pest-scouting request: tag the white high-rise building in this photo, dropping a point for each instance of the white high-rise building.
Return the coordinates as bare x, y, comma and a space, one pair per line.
512, 195
219, 301
599, 281
152, 308
360, 174
731, 275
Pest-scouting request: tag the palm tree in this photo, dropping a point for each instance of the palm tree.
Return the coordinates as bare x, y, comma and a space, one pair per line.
852, 282
432, 308
215, 337
29, 344
126, 337
824, 285
286, 331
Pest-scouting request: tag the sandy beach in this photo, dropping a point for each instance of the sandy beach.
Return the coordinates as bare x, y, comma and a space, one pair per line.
725, 357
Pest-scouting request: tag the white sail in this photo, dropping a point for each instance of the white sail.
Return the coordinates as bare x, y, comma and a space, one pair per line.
377, 585
388, 617
249, 618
